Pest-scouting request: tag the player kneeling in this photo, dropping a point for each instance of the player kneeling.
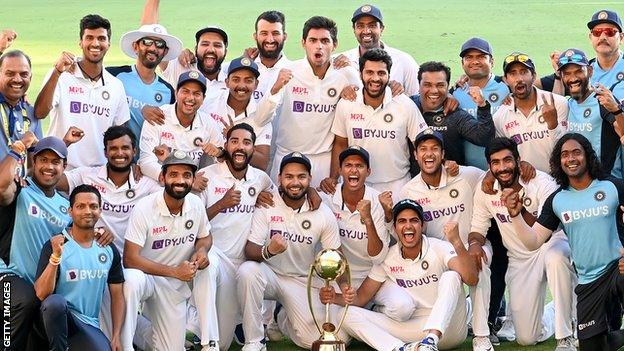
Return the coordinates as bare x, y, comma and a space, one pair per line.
431, 271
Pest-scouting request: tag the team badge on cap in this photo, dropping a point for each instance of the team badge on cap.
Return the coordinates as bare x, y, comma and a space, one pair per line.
388, 118
297, 154
620, 76
105, 95
246, 62
453, 193
130, 194
600, 195
156, 29
306, 224
179, 154
188, 224
602, 15
158, 97
569, 53
355, 147
63, 209
424, 265
365, 8
587, 112
527, 202
331, 92
493, 97
252, 191
193, 74
197, 141
102, 258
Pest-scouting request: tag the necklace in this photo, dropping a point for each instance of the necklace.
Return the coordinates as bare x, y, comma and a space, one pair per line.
94, 78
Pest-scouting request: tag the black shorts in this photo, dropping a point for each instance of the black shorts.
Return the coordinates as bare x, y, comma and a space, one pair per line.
592, 301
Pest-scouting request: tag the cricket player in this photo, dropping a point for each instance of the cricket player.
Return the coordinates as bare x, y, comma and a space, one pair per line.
280, 248
305, 96
431, 271
588, 205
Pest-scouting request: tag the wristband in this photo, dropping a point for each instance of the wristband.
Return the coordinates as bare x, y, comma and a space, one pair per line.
57, 70
619, 111
15, 155
474, 242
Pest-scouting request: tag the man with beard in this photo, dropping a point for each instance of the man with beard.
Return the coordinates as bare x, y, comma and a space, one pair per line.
167, 244
431, 271
529, 271
445, 198
235, 105
304, 96
279, 249
72, 275
185, 128
592, 110
379, 122
230, 202
368, 26
477, 62
588, 205
456, 126
79, 92
535, 119
149, 45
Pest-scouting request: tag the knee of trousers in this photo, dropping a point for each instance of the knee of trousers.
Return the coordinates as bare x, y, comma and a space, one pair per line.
525, 338
557, 259
134, 280
400, 308
25, 301
54, 305
451, 277
247, 272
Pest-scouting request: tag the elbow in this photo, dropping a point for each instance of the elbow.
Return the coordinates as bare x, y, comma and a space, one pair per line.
471, 279
40, 292
129, 261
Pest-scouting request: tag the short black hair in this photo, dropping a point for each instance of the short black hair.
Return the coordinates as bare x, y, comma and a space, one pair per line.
435, 66
116, 132
95, 22
243, 126
501, 143
593, 162
272, 16
377, 55
84, 188
320, 22
15, 53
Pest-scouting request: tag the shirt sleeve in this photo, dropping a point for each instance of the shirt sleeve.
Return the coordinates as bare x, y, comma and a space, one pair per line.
74, 178
122, 113
481, 216
547, 186
479, 131
498, 121
561, 104
329, 236
547, 217
147, 160
136, 232
378, 274
268, 106
172, 72
339, 126
264, 135
115, 273
259, 233
204, 224
444, 250
415, 121
472, 175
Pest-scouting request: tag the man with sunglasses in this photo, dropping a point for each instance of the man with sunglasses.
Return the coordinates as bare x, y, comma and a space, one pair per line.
535, 119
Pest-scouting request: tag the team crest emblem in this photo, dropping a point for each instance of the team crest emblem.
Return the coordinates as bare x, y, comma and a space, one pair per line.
246, 62
541, 119
365, 8
620, 76
105, 95
158, 97
526, 202
355, 147
602, 15
306, 224
297, 154
193, 74
188, 224
198, 141
130, 194
600, 195
453, 193
424, 265
252, 191
493, 97
388, 118
569, 53
428, 131
102, 258
587, 112
331, 92
156, 29
438, 119
179, 154
63, 209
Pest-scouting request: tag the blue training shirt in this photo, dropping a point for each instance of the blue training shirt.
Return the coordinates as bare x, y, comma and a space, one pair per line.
495, 91
592, 220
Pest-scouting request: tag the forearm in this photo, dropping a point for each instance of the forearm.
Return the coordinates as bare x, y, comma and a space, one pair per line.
204, 243
260, 158
149, 165
118, 308
150, 12
43, 103
214, 210
46, 283
253, 252
374, 245
7, 174
467, 268
558, 87
148, 266
526, 234
266, 110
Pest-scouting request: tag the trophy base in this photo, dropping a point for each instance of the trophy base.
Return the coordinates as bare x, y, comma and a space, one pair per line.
327, 345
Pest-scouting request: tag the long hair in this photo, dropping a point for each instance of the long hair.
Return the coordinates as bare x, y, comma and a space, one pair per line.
593, 162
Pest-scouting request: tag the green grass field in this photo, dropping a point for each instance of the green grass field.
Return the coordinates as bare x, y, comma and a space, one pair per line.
429, 30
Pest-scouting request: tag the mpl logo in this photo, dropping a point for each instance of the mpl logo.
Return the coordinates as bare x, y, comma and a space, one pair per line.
357, 117
277, 219
396, 269
167, 136
75, 90
512, 124
299, 91
219, 190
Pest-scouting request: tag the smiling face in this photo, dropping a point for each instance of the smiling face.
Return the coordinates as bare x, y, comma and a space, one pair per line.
367, 30
430, 156
210, 52
239, 149
178, 180
318, 46
294, 181
242, 84
120, 153
94, 44
576, 79
270, 38
476, 64
604, 44
433, 90
408, 227
86, 210
573, 159
150, 56
375, 77
189, 97
15, 75
354, 172
48, 168
505, 168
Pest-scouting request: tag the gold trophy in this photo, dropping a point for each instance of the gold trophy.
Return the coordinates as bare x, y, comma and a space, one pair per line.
328, 265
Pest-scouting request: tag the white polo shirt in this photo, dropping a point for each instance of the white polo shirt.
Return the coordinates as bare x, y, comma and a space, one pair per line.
404, 68
230, 228
450, 201
306, 107
90, 106
353, 235
486, 206
174, 69
303, 229
383, 132
268, 76
418, 277
117, 202
218, 108
173, 134
535, 141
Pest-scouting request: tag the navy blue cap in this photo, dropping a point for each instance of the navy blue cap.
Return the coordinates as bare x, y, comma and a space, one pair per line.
243, 62
212, 29
51, 143
355, 150
193, 76
476, 44
407, 204
296, 157
605, 16
574, 56
520, 58
367, 10
429, 134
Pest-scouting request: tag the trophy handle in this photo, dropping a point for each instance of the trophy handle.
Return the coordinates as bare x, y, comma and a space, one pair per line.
309, 286
346, 307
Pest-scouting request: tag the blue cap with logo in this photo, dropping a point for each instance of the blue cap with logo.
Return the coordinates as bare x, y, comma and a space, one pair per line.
429, 134
192, 76
53, 144
355, 150
405, 205
367, 10
572, 56
243, 62
476, 44
296, 157
605, 16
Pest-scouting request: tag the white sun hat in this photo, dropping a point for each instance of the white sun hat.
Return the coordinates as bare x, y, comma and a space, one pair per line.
151, 30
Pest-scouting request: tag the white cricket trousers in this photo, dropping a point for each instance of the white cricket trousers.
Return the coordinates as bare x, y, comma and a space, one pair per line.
480, 296
448, 315
257, 281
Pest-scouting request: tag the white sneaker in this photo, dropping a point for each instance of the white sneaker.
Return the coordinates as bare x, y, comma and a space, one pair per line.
412, 346
212, 346
482, 343
273, 332
427, 344
566, 344
507, 332
254, 346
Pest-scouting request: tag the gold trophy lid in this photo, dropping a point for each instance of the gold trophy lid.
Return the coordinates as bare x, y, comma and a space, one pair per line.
329, 264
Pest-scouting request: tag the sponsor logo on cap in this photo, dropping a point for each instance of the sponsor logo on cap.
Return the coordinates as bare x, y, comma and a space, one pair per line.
603, 15
158, 97
569, 53
587, 112
306, 224
493, 97
105, 95
365, 8
188, 224
355, 147
102, 258
428, 131
193, 74
252, 191
600, 195
179, 154
331, 92
454, 193
246, 62
388, 117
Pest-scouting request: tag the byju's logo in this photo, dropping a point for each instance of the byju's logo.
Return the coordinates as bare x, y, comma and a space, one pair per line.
75, 106
298, 106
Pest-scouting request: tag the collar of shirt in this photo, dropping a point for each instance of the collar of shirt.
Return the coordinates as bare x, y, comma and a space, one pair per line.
224, 170
164, 210
289, 210
21, 104
308, 73
250, 110
386, 100
444, 180
416, 100
103, 175
197, 120
282, 62
538, 103
100, 82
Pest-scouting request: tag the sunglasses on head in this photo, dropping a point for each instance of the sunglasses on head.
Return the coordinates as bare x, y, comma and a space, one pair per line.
576, 58
160, 44
610, 32
517, 58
